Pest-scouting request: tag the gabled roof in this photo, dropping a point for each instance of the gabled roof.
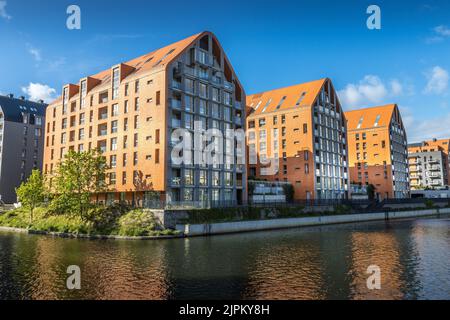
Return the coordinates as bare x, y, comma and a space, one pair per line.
367, 117
13, 108
157, 59
268, 101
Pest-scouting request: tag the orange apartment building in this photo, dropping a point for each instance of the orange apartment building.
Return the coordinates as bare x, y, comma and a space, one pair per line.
130, 111
377, 146
429, 164
303, 129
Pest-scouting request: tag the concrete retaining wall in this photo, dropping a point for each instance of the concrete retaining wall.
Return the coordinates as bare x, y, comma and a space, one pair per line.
245, 226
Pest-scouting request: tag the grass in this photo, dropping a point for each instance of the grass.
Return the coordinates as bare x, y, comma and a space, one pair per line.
105, 221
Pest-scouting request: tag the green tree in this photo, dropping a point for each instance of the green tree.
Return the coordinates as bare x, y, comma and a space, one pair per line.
78, 177
31, 193
289, 191
371, 191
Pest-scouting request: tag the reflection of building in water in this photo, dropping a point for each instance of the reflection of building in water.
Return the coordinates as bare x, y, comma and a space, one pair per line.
109, 270
136, 272
376, 249
298, 267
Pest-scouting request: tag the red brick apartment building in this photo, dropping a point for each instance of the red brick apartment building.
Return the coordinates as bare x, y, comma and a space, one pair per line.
130, 111
303, 128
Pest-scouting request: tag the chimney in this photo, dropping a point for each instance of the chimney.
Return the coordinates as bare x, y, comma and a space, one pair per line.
10, 95
41, 101
22, 98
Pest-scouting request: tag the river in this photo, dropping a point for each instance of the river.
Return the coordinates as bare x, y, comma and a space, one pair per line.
307, 263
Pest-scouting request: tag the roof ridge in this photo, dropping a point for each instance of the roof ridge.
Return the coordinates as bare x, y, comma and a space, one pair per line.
287, 87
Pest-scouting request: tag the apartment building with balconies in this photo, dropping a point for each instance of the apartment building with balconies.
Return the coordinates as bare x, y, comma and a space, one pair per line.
298, 135
428, 164
21, 142
131, 111
377, 145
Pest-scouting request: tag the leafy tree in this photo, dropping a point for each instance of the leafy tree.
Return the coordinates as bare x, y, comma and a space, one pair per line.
32, 193
371, 191
289, 191
78, 177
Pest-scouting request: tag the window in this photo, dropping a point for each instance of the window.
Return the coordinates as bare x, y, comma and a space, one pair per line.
157, 156
135, 158
302, 96
203, 90
158, 98
116, 83
305, 128
115, 110
82, 119
136, 86
188, 103
189, 85
136, 104
360, 123
203, 178
189, 177
267, 105
157, 136
113, 144
113, 161
114, 125
83, 94
202, 107
215, 94
136, 140
281, 102
377, 120
81, 134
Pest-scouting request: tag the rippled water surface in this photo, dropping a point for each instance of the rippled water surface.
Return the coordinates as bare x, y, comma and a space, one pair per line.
309, 263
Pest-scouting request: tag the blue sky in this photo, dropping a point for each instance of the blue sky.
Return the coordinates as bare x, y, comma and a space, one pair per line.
270, 44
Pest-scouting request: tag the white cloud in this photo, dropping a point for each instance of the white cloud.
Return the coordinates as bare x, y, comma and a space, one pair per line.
442, 31
370, 90
438, 79
428, 129
439, 34
3, 13
38, 91
36, 53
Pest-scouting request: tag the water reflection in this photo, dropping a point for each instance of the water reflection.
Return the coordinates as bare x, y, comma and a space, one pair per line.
310, 263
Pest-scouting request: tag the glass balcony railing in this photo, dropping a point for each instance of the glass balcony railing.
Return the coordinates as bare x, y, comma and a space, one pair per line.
228, 85
176, 104
176, 85
176, 123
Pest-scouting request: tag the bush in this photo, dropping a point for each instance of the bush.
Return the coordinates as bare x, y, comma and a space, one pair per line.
63, 224
429, 204
137, 223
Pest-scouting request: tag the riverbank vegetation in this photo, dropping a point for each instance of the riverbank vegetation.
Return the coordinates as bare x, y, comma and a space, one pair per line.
63, 202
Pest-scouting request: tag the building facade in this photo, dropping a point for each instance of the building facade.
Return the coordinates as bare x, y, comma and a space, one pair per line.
298, 135
131, 111
428, 164
21, 142
378, 151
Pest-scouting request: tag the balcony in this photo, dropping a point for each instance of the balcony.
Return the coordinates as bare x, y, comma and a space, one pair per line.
228, 85
176, 85
175, 103
203, 57
176, 123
